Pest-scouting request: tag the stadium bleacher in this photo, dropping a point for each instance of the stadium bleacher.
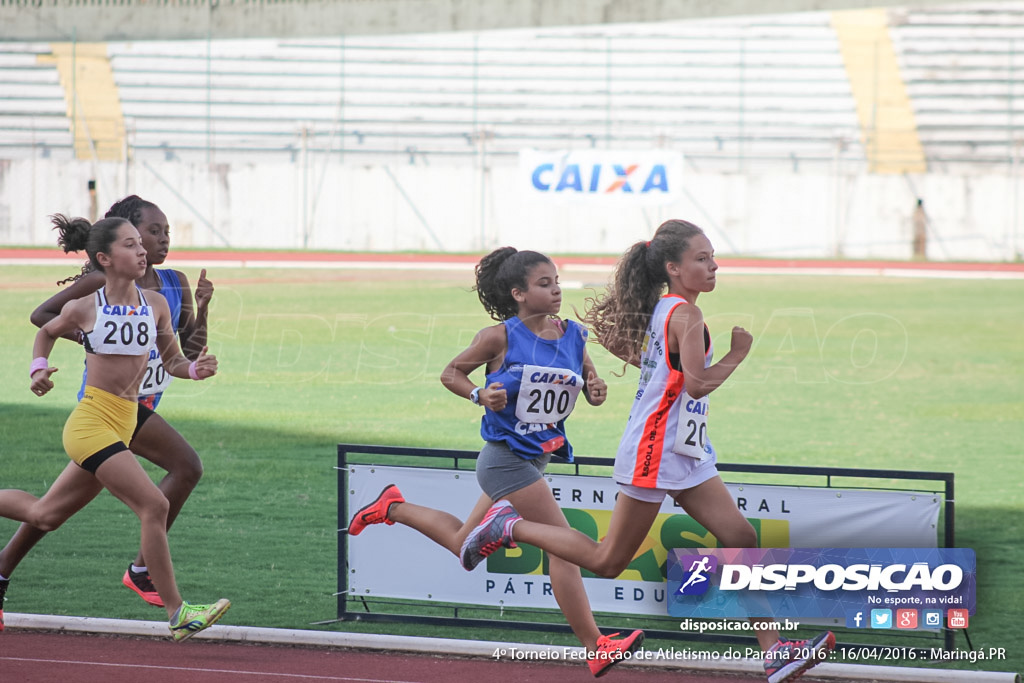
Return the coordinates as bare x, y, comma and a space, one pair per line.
33, 113
767, 88
727, 92
963, 68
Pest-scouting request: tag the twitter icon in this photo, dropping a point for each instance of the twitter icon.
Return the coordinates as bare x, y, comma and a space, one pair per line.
881, 618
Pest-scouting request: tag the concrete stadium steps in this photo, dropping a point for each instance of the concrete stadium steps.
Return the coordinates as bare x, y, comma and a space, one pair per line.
707, 88
964, 70
889, 131
773, 89
93, 102
33, 113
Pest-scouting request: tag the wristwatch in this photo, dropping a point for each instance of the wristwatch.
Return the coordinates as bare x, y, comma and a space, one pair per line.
474, 396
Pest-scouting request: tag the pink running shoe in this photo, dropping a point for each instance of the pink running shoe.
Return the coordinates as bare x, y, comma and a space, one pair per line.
787, 660
493, 532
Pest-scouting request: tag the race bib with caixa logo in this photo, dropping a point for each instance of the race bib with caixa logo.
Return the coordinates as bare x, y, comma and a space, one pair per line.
692, 428
547, 395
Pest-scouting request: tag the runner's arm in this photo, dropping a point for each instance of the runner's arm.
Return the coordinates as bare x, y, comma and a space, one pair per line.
487, 348
52, 307
686, 336
192, 324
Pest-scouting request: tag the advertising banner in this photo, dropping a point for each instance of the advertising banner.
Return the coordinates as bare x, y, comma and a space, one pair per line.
601, 176
880, 588
398, 562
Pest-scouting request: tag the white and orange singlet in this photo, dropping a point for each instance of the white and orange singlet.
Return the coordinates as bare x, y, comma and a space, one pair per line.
666, 438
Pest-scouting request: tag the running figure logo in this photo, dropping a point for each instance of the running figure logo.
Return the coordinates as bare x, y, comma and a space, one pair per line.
698, 568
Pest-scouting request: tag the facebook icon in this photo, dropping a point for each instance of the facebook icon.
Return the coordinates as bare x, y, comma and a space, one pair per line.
855, 619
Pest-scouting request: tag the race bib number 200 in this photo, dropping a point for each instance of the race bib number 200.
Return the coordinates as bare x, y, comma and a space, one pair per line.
547, 395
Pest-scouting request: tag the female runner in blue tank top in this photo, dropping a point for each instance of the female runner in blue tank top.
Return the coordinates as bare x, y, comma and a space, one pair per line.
536, 367
154, 439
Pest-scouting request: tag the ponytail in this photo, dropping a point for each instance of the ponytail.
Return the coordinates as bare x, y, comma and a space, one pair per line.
72, 236
620, 316
73, 233
76, 234
500, 272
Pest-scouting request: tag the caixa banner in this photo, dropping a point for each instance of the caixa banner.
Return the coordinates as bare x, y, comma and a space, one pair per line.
605, 177
807, 583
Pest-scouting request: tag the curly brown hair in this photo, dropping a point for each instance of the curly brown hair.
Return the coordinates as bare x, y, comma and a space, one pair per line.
619, 317
498, 274
77, 234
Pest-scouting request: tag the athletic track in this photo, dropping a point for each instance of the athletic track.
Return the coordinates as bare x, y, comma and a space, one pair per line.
598, 264
32, 656
60, 658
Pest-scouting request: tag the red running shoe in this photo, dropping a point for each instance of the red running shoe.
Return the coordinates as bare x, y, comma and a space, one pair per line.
611, 652
377, 511
143, 585
3, 592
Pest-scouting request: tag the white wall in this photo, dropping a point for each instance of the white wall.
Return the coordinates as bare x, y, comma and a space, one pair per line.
361, 206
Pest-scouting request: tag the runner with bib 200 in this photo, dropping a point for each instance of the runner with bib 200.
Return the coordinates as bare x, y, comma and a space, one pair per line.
536, 366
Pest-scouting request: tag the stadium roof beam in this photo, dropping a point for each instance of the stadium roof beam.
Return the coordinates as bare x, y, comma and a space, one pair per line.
127, 20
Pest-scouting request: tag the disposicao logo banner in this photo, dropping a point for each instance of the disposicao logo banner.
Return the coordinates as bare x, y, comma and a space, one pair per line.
602, 177
805, 583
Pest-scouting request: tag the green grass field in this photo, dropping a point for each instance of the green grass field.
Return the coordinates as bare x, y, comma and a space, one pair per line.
856, 371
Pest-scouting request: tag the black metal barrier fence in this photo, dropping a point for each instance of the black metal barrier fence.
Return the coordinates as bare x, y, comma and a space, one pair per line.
356, 608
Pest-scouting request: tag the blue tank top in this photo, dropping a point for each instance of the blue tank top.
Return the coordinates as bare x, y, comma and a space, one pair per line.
542, 379
170, 288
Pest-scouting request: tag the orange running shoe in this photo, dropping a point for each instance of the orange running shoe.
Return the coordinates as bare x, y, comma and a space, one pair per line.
143, 585
377, 511
3, 593
611, 652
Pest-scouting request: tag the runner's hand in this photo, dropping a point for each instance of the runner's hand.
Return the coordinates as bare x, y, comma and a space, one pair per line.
41, 382
597, 390
494, 396
204, 291
206, 365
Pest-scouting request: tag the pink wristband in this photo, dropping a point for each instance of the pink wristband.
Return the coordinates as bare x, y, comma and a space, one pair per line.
37, 365
192, 371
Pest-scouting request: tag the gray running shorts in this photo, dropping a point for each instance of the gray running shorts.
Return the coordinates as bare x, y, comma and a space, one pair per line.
500, 472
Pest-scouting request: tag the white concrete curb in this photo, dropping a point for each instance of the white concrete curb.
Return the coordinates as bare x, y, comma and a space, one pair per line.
478, 648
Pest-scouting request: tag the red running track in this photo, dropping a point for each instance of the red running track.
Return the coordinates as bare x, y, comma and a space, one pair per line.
33, 657
213, 256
